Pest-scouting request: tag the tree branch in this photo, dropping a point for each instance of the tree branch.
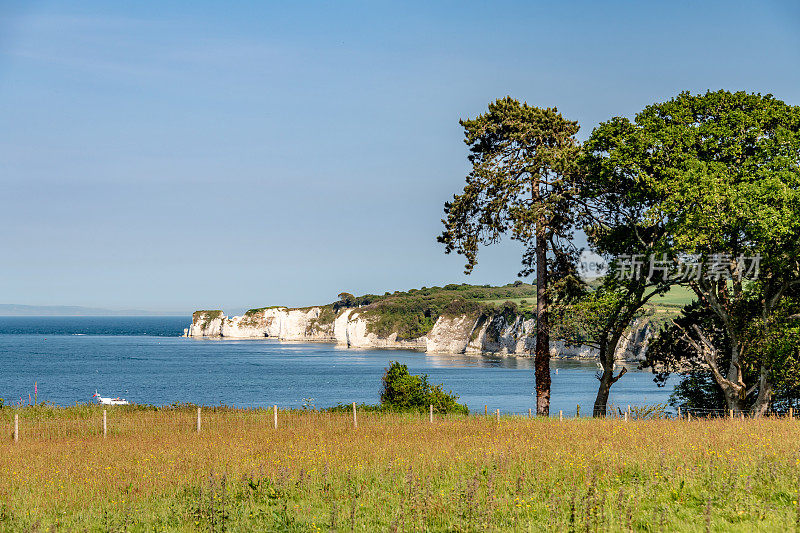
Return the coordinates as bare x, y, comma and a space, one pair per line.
621, 373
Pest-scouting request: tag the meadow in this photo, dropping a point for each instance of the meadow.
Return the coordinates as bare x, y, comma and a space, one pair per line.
394, 472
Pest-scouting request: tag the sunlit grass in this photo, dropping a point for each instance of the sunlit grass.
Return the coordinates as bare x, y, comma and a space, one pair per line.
394, 472
677, 296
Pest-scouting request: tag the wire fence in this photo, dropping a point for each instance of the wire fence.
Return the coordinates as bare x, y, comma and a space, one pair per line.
38, 423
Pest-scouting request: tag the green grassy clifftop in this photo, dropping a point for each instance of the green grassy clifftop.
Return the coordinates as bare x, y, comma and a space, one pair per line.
412, 314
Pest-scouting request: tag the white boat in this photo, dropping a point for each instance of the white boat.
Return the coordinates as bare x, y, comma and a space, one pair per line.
109, 401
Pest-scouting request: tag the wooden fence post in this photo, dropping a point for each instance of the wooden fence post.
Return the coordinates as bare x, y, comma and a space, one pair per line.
530, 413
791, 413
105, 427
486, 410
431, 414
679, 412
561, 415
275, 416
16, 427
626, 416
578, 411
689, 416
355, 421
497, 415
731, 413
198, 420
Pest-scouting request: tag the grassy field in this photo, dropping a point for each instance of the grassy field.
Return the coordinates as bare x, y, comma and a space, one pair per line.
677, 297
674, 300
317, 472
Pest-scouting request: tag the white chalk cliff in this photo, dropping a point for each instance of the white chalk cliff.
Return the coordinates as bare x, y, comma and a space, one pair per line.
466, 334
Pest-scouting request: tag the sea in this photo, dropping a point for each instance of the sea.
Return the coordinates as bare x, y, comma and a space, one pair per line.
146, 361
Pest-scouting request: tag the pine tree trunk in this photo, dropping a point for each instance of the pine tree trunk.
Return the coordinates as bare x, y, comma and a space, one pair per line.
542, 350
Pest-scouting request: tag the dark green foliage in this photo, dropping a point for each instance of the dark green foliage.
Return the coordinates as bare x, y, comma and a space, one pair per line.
521, 157
776, 341
462, 307
410, 318
346, 300
508, 311
725, 168
403, 391
326, 315
697, 391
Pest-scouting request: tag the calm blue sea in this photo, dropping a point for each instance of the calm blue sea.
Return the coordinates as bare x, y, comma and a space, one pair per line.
145, 360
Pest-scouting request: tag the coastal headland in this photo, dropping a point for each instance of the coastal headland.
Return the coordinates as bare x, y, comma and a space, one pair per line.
462, 319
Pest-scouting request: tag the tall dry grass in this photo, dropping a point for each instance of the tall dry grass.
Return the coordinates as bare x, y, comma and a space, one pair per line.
393, 473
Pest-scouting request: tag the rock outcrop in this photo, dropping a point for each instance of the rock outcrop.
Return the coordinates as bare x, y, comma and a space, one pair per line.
276, 322
469, 334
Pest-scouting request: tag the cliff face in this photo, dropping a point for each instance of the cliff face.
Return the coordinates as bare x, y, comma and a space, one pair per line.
279, 323
634, 342
470, 334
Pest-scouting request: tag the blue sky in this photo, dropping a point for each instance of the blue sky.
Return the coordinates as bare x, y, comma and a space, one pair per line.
236, 154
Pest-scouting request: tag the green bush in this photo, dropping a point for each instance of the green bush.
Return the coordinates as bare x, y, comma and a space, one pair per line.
403, 391
326, 315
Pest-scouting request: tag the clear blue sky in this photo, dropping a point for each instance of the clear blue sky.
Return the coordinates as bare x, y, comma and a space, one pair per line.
180, 155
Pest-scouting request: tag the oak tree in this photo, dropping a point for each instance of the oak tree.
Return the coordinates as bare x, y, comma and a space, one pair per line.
727, 167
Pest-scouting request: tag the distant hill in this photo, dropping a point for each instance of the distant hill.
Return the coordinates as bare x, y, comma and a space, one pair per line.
72, 310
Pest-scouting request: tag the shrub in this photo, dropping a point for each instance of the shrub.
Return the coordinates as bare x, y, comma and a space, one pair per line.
403, 391
326, 315
509, 312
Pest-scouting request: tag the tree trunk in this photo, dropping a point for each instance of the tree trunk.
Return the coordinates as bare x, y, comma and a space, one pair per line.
733, 387
733, 396
764, 399
607, 356
542, 353
603, 391
606, 380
